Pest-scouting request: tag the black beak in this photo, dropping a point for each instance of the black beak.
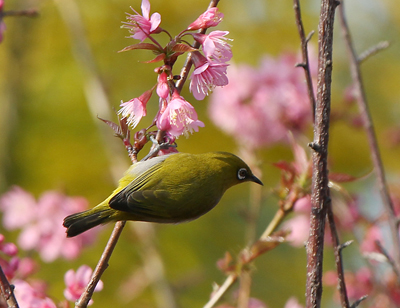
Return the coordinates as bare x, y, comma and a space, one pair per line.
255, 179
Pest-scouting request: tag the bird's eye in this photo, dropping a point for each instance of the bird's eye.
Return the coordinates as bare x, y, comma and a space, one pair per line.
242, 173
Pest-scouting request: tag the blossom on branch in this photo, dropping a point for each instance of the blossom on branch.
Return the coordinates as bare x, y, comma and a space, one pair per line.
206, 76
141, 26
210, 18
41, 222
215, 45
135, 108
76, 283
179, 117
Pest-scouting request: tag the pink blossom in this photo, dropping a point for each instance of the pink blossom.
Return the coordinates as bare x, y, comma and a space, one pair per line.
135, 109
162, 85
372, 235
357, 284
299, 227
206, 76
8, 260
303, 205
293, 303
179, 117
76, 283
142, 26
18, 207
43, 231
215, 46
260, 106
28, 297
210, 18
256, 303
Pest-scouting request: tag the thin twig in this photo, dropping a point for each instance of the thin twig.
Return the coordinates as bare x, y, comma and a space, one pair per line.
221, 290
19, 13
273, 225
101, 266
372, 140
389, 259
319, 187
304, 51
7, 291
372, 51
338, 258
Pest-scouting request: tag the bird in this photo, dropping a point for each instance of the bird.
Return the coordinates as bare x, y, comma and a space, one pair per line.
172, 188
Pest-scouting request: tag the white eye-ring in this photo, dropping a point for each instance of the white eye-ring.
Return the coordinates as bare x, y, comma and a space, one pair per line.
242, 173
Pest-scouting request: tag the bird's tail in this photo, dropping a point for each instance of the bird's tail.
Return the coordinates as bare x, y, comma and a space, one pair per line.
83, 221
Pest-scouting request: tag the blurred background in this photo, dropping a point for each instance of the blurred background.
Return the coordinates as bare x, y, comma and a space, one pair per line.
51, 80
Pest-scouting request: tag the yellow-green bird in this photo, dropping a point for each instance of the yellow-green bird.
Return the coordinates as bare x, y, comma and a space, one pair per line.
166, 189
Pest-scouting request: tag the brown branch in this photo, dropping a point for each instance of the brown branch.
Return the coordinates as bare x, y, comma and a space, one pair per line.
7, 291
304, 51
101, 266
319, 187
338, 258
372, 139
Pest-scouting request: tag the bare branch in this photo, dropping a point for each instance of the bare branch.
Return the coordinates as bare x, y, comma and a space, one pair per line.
338, 258
372, 140
6, 291
304, 50
101, 266
373, 51
319, 188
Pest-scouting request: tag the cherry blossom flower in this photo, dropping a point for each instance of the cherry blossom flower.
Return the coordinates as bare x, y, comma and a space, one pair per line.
162, 86
179, 117
210, 18
18, 207
293, 303
8, 260
215, 46
43, 231
373, 234
206, 76
141, 26
135, 109
27, 296
76, 283
260, 106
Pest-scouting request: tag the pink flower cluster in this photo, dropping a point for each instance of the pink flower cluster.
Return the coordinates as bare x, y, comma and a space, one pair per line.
176, 116
31, 292
29, 296
260, 106
41, 222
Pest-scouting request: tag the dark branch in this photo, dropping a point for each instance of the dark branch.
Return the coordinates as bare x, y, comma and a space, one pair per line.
319, 188
304, 51
338, 258
6, 291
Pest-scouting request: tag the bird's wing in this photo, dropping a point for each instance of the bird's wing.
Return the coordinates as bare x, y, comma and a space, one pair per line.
142, 198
